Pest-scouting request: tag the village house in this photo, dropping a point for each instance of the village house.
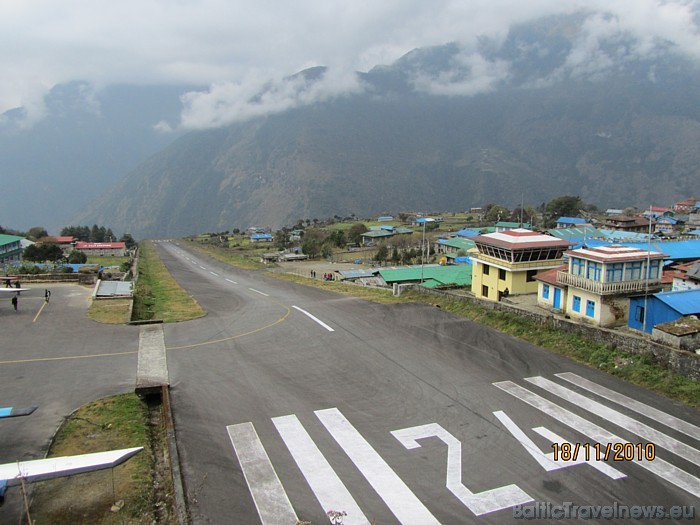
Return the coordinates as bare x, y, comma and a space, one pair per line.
101, 249
627, 224
10, 249
64, 242
505, 263
597, 282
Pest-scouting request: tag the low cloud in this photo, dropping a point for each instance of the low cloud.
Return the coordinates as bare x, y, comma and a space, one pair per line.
230, 102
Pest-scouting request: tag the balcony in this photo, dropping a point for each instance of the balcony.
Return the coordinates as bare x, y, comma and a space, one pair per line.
613, 288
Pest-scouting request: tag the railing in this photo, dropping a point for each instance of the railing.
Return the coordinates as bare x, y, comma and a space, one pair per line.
611, 288
544, 263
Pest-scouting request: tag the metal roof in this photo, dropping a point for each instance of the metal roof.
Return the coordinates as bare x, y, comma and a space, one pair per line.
115, 289
460, 244
686, 302
9, 239
676, 250
576, 234
571, 220
459, 274
356, 274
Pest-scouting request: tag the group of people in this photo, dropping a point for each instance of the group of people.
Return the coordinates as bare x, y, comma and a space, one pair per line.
15, 300
326, 276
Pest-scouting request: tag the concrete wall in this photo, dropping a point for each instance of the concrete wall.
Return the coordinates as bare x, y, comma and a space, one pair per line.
679, 361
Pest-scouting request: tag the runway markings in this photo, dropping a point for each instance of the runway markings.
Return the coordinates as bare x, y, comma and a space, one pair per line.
638, 428
330, 491
657, 415
274, 507
258, 291
232, 282
314, 318
480, 503
658, 466
333, 494
214, 273
202, 267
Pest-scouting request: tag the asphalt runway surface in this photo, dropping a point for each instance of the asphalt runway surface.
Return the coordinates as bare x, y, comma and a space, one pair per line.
54, 357
291, 401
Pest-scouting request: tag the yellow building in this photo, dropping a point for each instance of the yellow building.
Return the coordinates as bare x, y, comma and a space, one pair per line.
507, 261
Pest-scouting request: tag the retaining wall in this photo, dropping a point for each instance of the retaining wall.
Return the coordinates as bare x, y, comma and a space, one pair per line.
680, 361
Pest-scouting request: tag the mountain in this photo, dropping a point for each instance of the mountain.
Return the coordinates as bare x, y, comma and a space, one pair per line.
525, 119
85, 144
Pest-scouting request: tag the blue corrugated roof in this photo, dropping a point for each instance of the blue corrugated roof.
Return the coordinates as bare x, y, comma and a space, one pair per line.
468, 233
261, 236
686, 302
571, 220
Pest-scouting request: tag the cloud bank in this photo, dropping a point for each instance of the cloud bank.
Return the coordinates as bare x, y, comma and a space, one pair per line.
247, 52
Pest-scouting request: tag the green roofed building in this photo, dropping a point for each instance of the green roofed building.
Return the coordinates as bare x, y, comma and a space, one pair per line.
10, 249
432, 275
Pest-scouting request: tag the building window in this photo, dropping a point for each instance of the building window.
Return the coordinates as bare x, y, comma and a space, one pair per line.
614, 272
501, 274
484, 290
593, 271
590, 308
530, 277
486, 269
578, 266
545, 291
634, 270
639, 314
577, 303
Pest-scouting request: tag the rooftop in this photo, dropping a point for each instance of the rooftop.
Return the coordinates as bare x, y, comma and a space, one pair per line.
520, 238
615, 252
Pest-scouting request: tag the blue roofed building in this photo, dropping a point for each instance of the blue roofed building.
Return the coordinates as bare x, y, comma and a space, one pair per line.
570, 222
261, 237
660, 308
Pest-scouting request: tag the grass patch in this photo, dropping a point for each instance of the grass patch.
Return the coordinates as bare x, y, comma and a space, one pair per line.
242, 257
111, 423
158, 295
641, 370
110, 311
377, 295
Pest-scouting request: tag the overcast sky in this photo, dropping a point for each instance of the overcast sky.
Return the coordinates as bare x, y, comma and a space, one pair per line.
235, 46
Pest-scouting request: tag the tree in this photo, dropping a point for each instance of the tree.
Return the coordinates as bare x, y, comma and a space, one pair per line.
337, 238
76, 257
355, 232
311, 247
382, 254
37, 232
128, 241
395, 255
565, 206
495, 213
43, 252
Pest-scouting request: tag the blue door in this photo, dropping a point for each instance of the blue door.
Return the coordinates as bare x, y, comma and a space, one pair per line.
557, 298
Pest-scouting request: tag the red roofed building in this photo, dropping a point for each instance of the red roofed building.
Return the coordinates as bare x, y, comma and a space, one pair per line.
599, 282
116, 249
65, 243
507, 261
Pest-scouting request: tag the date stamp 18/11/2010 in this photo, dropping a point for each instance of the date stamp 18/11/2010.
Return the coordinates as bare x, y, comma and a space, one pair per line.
603, 452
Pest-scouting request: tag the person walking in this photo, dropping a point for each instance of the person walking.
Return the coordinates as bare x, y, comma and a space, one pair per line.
14, 302
47, 295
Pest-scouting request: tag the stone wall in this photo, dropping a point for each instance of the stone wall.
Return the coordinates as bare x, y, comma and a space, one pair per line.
680, 361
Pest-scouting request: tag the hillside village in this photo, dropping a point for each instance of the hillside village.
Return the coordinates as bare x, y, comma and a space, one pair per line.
622, 269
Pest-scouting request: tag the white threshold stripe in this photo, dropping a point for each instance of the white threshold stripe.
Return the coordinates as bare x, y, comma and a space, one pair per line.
652, 413
216, 274
232, 282
258, 291
330, 491
312, 317
272, 502
660, 467
407, 508
621, 420
546, 460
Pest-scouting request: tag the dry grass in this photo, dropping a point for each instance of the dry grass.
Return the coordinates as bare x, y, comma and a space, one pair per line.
111, 423
158, 295
110, 311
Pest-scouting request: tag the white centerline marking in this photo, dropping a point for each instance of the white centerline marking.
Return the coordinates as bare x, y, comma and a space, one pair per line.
258, 291
202, 267
330, 491
660, 467
216, 274
621, 420
272, 502
232, 282
657, 415
310, 316
407, 508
